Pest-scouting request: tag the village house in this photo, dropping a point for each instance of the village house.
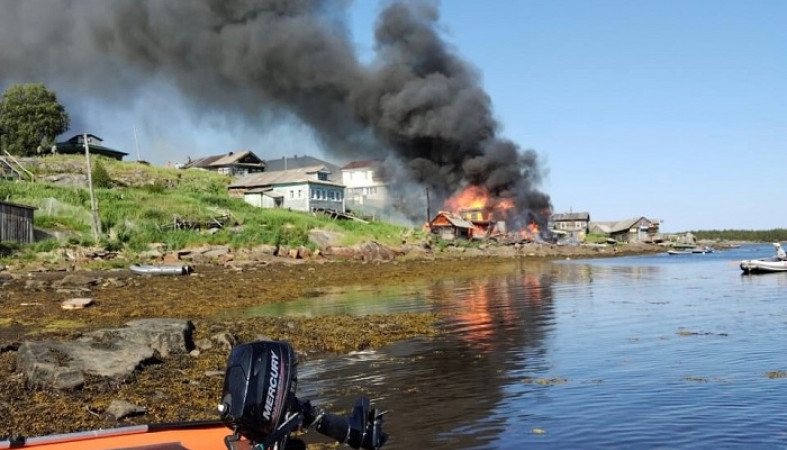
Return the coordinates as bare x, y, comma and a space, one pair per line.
364, 185
76, 146
305, 189
570, 225
16, 223
449, 226
232, 164
636, 229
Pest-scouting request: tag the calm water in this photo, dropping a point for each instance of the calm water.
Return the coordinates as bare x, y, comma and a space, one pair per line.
639, 352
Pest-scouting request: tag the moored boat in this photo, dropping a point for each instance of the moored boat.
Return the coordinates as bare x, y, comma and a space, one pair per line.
767, 265
164, 269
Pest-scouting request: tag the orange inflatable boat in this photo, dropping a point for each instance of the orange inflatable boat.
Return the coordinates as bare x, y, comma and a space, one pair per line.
207, 435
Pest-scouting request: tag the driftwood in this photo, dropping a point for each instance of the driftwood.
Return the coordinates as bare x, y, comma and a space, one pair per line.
181, 223
333, 214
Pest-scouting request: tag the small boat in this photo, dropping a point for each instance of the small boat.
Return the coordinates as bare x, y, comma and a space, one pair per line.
679, 252
162, 269
767, 265
204, 435
703, 250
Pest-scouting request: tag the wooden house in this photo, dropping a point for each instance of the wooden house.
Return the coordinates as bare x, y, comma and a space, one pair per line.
635, 229
449, 226
573, 225
76, 145
233, 164
306, 189
16, 223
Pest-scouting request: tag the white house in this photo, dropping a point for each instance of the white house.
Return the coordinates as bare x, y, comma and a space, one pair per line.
303, 189
364, 186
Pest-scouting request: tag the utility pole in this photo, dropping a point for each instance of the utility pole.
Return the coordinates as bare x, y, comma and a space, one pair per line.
428, 207
93, 203
136, 144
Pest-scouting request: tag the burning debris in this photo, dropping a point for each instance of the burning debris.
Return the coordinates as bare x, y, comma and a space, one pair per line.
490, 217
418, 106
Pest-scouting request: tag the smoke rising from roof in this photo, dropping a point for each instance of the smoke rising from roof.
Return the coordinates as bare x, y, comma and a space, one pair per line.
418, 105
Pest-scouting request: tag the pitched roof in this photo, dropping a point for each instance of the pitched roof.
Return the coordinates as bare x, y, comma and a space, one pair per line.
228, 159
570, 216
620, 225
300, 175
76, 145
362, 164
453, 220
296, 162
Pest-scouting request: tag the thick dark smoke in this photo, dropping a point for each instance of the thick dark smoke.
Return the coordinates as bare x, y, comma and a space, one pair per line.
418, 105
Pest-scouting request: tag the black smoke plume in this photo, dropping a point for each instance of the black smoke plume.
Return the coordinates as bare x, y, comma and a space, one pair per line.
417, 105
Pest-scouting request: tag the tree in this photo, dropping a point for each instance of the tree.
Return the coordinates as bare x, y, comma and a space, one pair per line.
30, 116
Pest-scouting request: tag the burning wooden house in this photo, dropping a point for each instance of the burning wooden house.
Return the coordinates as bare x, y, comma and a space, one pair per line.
484, 223
491, 217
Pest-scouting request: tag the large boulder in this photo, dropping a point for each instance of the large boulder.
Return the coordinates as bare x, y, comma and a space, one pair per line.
111, 353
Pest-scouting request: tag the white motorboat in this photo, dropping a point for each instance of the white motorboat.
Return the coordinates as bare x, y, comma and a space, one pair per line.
164, 269
767, 265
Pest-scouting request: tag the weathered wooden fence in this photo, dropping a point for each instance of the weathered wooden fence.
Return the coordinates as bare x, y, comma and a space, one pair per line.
16, 223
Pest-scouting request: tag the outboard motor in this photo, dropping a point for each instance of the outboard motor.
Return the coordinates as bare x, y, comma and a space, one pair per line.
259, 404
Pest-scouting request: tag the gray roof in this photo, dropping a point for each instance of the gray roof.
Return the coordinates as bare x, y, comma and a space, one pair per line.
455, 220
620, 225
301, 175
228, 159
297, 162
573, 216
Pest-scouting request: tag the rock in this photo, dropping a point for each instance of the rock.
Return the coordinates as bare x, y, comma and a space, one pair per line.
325, 239
77, 303
76, 281
35, 285
226, 340
111, 353
120, 409
165, 336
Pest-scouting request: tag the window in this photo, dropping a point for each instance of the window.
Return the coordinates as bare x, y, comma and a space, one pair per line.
322, 176
292, 194
300, 193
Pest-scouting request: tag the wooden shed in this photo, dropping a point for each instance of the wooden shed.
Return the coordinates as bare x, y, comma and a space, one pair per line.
16, 223
449, 226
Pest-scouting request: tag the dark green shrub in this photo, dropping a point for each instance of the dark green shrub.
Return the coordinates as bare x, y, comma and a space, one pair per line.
101, 178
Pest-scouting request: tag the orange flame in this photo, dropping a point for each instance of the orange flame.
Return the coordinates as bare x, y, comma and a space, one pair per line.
477, 197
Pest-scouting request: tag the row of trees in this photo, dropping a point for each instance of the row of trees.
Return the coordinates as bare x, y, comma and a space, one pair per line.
775, 235
30, 117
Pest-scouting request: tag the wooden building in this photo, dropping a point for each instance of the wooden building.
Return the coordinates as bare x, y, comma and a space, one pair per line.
76, 146
16, 223
234, 164
449, 226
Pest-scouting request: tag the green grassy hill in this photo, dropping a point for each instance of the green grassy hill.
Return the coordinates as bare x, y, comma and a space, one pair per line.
139, 204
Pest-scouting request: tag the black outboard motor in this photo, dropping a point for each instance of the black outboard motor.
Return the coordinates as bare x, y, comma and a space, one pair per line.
259, 404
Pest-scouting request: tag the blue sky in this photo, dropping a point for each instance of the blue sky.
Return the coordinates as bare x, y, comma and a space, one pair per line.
671, 109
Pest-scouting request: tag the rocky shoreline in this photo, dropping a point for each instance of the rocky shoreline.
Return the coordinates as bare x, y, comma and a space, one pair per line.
153, 349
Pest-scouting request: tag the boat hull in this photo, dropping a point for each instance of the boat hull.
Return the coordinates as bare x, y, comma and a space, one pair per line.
174, 269
763, 266
189, 436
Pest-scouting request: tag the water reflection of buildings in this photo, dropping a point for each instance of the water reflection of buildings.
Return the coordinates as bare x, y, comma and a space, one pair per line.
443, 392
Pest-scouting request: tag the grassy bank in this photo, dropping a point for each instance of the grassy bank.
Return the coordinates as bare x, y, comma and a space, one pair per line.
139, 204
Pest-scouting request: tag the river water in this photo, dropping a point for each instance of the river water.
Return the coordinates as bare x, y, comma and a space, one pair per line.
657, 351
